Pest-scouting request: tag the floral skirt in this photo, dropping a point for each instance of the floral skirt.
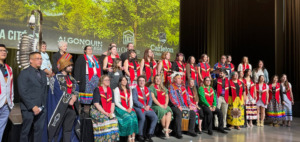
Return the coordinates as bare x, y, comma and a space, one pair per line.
235, 113
104, 128
275, 110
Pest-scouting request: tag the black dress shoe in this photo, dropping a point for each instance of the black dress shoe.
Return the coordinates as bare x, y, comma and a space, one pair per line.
149, 138
210, 132
179, 136
140, 138
228, 129
193, 134
200, 132
222, 131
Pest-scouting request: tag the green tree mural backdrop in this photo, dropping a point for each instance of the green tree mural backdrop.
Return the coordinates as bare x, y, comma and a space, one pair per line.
105, 20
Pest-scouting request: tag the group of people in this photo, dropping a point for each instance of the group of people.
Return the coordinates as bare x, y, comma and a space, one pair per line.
125, 97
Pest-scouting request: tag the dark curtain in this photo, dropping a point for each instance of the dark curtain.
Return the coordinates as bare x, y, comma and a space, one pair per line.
291, 59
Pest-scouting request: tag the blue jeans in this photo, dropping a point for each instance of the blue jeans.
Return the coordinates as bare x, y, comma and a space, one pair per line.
4, 113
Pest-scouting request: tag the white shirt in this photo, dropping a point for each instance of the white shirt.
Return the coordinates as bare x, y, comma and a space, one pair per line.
283, 87
240, 67
257, 74
118, 99
5, 91
94, 68
260, 89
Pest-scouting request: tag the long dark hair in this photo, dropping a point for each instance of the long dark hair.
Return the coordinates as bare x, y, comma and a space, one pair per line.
177, 57
286, 83
146, 55
120, 84
263, 68
189, 60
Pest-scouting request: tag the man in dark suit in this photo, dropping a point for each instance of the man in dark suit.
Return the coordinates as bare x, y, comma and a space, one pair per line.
125, 55
32, 86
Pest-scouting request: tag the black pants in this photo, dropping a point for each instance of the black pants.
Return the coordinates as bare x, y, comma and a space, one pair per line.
67, 125
35, 121
178, 118
210, 115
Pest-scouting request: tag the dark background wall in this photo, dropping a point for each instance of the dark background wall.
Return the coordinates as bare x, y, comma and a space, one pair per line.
238, 28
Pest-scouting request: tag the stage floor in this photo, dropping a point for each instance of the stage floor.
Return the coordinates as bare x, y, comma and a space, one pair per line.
255, 134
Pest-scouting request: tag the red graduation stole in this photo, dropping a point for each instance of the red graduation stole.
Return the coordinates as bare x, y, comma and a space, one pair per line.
131, 70
181, 69
220, 87
219, 65
183, 94
209, 95
66, 56
125, 104
288, 93
277, 92
263, 94
233, 90
90, 67
161, 95
110, 60
166, 67
11, 81
194, 72
245, 67
191, 95
141, 98
251, 88
106, 100
148, 70
204, 72
231, 66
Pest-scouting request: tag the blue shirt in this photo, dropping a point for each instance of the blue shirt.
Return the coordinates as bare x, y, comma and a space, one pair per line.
46, 64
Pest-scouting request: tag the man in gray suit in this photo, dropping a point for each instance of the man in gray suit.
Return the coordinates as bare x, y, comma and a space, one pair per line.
32, 86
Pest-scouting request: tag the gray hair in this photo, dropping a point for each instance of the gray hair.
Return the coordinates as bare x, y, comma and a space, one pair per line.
61, 43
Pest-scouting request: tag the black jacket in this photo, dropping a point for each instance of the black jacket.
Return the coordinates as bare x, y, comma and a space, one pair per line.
33, 91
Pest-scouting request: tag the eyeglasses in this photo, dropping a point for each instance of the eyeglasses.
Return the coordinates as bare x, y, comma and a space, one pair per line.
5, 51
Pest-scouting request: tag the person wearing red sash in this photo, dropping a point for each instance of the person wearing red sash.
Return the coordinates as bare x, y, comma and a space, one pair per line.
179, 65
104, 54
62, 101
128, 123
221, 86
110, 58
142, 100
275, 111
132, 69
236, 99
262, 93
160, 106
203, 68
6, 89
180, 100
244, 64
61, 54
229, 66
194, 97
105, 123
251, 109
208, 102
164, 68
149, 65
219, 65
288, 100
87, 72
241, 79
192, 70
124, 56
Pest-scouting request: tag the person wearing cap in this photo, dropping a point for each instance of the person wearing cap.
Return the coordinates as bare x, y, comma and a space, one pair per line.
221, 86
180, 100
62, 106
32, 88
6, 89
